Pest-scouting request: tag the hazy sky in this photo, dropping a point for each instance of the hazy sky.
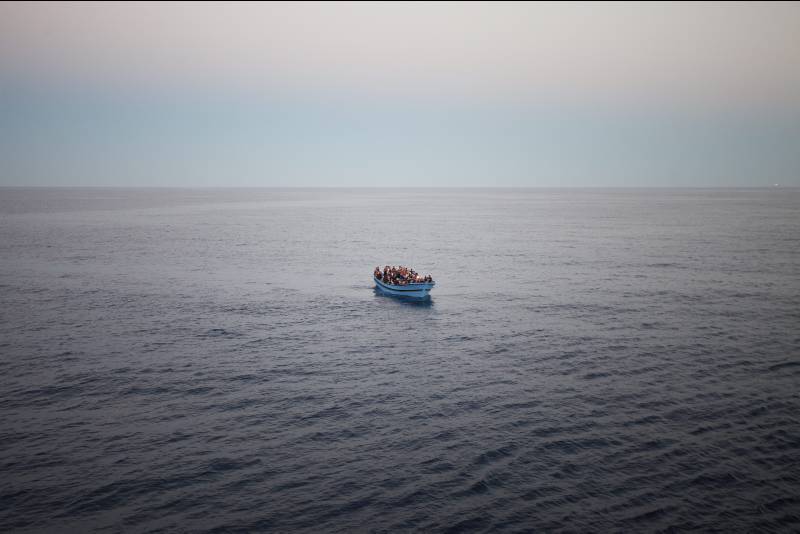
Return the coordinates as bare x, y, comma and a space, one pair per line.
473, 94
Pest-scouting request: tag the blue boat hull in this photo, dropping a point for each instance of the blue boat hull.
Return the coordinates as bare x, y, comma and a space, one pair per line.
411, 290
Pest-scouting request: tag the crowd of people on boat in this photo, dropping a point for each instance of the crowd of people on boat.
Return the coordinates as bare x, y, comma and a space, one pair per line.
400, 276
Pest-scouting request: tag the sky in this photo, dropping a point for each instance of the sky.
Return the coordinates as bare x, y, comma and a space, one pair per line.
400, 94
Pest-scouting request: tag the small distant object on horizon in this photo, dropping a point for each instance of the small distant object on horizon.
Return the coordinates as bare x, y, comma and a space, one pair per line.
775, 185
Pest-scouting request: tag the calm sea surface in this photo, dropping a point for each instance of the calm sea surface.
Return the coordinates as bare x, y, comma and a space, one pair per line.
218, 360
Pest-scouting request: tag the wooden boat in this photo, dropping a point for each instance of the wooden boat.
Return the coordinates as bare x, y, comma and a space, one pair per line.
421, 290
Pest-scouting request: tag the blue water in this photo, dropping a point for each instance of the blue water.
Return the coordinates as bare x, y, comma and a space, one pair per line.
219, 360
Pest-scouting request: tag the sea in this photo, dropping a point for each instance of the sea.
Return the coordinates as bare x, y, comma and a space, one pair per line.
219, 360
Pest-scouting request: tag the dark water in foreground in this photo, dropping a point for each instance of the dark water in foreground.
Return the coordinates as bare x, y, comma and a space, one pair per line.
191, 360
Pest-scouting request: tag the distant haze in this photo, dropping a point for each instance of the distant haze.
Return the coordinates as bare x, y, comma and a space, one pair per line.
440, 94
